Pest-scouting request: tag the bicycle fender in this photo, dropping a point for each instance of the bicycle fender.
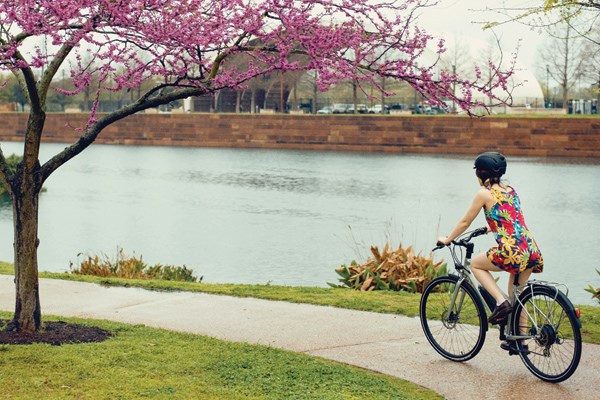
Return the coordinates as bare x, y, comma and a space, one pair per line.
557, 293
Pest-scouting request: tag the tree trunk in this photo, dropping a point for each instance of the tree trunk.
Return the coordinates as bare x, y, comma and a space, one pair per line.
295, 96
27, 316
315, 90
238, 101
354, 96
25, 187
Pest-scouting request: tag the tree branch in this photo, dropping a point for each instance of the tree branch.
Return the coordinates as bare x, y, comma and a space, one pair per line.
52, 69
93, 130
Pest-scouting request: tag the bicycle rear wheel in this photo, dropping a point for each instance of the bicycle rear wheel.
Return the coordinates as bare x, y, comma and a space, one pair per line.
457, 333
554, 352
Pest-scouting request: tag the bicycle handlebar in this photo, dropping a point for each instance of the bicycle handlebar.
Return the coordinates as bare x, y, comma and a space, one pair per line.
463, 242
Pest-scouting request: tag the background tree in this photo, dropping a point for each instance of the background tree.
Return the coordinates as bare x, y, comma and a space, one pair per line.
12, 92
591, 64
186, 43
563, 57
582, 15
457, 60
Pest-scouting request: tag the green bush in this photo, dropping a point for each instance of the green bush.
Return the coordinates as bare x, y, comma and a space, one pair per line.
13, 160
595, 292
131, 267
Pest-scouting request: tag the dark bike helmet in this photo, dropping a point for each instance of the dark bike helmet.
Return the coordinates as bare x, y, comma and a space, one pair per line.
491, 161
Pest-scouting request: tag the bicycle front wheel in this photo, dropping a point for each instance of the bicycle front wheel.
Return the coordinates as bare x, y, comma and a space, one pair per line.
455, 331
553, 351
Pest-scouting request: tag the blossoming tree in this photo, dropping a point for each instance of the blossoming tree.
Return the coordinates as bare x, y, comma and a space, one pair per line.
187, 46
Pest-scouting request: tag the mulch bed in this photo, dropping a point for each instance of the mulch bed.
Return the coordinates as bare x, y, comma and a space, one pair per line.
54, 333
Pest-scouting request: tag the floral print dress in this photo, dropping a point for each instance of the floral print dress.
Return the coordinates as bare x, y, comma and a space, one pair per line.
516, 250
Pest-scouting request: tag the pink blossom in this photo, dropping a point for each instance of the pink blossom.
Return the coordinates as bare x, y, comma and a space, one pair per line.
126, 43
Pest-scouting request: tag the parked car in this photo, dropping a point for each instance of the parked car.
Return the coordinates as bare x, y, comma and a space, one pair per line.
423, 109
398, 106
440, 109
325, 110
360, 109
378, 109
340, 108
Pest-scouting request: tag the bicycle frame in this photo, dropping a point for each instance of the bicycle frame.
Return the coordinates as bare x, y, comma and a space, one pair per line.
464, 273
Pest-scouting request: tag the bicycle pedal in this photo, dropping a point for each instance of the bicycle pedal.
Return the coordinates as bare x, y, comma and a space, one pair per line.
512, 348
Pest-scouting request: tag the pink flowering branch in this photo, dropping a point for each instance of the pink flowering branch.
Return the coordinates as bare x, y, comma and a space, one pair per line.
190, 44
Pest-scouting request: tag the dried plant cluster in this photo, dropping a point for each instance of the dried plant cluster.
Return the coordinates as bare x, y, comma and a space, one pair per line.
131, 267
391, 270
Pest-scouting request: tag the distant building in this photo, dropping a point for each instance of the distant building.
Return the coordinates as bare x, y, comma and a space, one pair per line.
227, 99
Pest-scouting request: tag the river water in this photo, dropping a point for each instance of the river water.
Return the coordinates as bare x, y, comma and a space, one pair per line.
291, 217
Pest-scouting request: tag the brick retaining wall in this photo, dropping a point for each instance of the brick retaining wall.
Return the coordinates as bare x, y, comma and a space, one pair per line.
574, 137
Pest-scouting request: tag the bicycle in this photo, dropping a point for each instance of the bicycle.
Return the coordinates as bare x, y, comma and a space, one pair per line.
543, 327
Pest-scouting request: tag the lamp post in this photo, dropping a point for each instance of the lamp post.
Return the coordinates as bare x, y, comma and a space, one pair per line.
598, 92
281, 105
62, 95
453, 87
547, 85
415, 89
415, 101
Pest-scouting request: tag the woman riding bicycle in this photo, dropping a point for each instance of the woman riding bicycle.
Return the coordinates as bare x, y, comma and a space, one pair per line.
517, 252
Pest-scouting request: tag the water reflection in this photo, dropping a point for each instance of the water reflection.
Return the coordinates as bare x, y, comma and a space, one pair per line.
291, 183
291, 217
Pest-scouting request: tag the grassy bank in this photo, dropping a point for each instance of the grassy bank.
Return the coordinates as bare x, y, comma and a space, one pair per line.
376, 301
139, 362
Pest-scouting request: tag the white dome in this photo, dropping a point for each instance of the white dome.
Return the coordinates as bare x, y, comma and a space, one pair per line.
528, 90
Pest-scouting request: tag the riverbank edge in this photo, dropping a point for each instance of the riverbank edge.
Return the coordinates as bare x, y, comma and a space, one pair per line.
515, 135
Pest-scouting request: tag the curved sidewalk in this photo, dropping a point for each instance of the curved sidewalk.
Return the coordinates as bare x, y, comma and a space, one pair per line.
390, 344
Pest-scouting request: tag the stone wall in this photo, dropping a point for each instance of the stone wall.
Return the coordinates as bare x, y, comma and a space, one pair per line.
553, 136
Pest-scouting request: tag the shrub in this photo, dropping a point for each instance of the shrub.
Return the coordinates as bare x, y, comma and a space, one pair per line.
13, 160
391, 270
131, 268
595, 292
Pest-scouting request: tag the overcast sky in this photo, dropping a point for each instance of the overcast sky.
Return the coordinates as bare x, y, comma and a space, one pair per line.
456, 18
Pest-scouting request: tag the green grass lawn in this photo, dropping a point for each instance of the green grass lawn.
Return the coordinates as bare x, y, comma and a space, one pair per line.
140, 362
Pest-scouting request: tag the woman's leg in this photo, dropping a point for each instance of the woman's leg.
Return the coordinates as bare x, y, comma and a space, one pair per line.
523, 278
481, 267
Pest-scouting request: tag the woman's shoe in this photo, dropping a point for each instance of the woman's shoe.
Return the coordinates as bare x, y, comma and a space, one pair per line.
500, 312
511, 347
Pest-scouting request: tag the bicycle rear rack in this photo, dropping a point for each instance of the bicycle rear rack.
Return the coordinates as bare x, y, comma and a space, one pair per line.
558, 286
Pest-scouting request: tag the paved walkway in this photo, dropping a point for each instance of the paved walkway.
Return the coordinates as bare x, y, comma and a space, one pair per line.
389, 344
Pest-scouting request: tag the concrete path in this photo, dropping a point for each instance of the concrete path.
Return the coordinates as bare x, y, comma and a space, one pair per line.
389, 344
